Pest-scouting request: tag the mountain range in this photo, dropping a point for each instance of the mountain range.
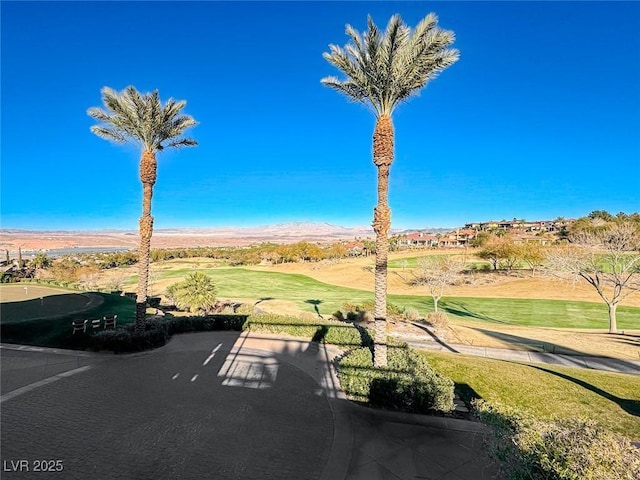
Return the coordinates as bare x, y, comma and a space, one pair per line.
12, 239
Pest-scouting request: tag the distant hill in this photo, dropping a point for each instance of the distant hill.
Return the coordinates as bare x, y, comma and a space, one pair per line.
30, 240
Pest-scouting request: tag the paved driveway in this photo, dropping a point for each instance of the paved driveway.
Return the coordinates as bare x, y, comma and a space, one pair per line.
191, 413
215, 405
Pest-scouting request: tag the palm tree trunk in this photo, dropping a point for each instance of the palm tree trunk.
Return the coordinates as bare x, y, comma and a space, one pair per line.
148, 168
382, 158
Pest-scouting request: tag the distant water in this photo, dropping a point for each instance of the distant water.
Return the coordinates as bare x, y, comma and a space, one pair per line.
57, 252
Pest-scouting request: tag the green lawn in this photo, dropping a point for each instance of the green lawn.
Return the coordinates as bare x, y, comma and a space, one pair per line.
612, 399
57, 331
301, 290
414, 262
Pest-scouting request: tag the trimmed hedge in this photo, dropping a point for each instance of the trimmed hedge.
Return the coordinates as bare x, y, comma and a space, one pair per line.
126, 340
206, 323
567, 449
328, 331
158, 332
408, 383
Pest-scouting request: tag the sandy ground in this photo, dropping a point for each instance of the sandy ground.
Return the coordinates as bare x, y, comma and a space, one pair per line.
182, 238
47, 241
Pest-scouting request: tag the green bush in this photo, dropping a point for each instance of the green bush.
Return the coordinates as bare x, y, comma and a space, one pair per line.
364, 311
158, 332
408, 383
205, 324
328, 331
126, 339
356, 372
567, 449
411, 315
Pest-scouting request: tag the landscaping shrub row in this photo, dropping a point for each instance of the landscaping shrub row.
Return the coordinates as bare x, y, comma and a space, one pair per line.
157, 332
408, 383
328, 331
567, 449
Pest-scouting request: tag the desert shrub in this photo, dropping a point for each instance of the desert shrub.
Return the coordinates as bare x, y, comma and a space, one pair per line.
566, 449
364, 311
408, 383
411, 315
438, 320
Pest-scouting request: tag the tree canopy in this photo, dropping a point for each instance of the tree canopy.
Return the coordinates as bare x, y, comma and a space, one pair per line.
141, 118
385, 69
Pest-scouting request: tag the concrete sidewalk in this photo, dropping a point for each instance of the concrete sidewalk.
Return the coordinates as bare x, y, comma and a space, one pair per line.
426, 342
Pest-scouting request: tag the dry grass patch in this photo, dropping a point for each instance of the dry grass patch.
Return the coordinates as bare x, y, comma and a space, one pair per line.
537, 339
358, 273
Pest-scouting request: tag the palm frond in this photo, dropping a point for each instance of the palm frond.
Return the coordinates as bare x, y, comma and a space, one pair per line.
182, 142
98, 114
130, 116
108, 134
384, 69
350, 89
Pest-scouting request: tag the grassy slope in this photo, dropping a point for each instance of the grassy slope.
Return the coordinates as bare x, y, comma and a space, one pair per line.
299, 289
56, 332
612, 399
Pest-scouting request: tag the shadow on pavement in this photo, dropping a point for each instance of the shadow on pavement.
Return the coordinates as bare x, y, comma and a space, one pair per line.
227, 405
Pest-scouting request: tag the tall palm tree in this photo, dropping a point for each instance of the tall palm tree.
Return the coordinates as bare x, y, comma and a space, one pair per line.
383, 70
142, 119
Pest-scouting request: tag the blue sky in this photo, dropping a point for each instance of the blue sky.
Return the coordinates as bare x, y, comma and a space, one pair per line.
539, 118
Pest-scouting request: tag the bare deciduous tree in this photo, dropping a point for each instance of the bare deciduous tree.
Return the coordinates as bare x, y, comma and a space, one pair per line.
438, 272
607, 259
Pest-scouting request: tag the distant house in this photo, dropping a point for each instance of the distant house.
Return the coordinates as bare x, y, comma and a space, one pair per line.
418, 239
521, 226
532, 238
457, 238
356, 249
